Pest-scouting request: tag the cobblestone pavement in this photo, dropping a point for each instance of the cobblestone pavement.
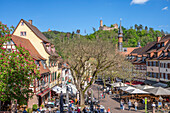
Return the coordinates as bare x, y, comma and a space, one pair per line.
113, 104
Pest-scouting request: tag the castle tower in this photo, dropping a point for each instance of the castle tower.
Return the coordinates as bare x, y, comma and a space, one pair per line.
120, 38
101, 23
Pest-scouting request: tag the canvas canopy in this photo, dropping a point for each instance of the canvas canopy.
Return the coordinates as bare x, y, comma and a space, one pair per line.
145, 87
127, 88
158, 91
136, 91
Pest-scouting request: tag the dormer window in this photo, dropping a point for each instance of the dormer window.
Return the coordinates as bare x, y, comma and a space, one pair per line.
22, 23
159, 45
162, 44
23, 33
43, 63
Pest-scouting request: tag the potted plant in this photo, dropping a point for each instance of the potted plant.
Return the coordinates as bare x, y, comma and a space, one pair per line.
42, 106
34, 107
52, 100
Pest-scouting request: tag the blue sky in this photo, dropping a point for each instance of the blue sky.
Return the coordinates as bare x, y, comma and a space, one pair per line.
69, 15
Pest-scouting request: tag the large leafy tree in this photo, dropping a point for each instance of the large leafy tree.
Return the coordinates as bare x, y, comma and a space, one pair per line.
18, 70
87, 59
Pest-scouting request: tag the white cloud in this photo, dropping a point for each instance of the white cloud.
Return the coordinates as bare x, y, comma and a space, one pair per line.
165, 8
138, 1
163, 26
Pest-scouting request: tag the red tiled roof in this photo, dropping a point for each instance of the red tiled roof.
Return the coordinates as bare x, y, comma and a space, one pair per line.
27, 45
33, 52
165, 38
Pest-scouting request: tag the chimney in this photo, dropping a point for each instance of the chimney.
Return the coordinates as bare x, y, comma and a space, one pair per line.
30, 21
53, 48
158, 39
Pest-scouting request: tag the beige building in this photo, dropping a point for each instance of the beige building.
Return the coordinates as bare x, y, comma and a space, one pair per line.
28, 33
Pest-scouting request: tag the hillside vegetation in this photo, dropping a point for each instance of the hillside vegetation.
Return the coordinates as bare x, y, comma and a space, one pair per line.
130, 36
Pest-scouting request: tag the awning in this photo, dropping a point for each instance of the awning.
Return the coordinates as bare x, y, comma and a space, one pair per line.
150, 82
160, 85
44, 92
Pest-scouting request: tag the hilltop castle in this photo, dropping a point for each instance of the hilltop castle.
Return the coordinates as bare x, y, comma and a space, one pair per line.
103, 27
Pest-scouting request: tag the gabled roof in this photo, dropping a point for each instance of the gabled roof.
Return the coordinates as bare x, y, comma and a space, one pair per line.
27, 45
36, 31
148, 47
165, 38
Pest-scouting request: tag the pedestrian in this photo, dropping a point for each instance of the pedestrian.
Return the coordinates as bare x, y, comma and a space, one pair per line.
101, 95
123, 107
129, 105
78, 110
108, 110
121, 104
136, 105
153, 105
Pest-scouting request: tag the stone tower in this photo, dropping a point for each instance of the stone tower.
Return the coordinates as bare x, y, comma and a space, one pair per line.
101, 23
120, 38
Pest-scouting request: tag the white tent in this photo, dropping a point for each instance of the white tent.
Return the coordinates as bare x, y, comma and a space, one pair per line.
136, 91
127, 88
145, 87
72, 88
118, 84
57, 89
158, 91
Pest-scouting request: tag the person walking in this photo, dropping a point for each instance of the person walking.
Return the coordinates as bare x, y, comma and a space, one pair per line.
129, 105
108, 110
136, 105
153, 105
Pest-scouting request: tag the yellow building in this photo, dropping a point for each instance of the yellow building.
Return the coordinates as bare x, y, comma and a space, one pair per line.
25, 30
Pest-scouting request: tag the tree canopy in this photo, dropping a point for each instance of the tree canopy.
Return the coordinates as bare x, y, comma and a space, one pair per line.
130, 36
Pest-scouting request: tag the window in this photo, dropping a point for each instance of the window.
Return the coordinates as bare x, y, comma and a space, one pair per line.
166, 76
23, 33
43, 63
162, 44
55, 75
150, 63
158, 75
146, 63
166, 65
154, 63
162, 76
158, 45
49, 78
22, 23
154, 75
125, 49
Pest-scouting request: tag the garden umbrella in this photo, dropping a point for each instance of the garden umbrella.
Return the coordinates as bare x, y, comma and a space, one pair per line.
145, 87
127, 88
158, 91
136, 91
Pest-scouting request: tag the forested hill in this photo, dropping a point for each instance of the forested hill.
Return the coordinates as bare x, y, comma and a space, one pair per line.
130, 36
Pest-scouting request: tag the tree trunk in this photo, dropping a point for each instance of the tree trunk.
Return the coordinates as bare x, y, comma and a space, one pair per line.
82, 99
